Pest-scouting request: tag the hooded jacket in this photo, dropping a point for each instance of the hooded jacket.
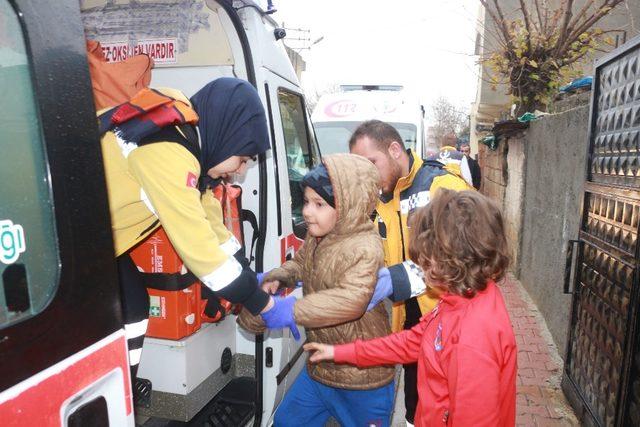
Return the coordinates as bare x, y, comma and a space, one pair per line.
339, 274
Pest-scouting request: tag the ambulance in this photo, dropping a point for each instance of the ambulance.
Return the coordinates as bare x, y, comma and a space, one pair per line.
63, 354
337, 115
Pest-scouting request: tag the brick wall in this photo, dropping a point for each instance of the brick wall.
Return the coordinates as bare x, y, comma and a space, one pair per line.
503, 181
494, 167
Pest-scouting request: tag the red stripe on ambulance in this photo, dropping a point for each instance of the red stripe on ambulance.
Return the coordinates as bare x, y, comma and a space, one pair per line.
39, 400
288, 247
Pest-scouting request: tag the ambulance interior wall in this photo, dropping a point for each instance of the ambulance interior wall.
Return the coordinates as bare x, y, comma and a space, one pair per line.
205, 40
556, 153
188, 79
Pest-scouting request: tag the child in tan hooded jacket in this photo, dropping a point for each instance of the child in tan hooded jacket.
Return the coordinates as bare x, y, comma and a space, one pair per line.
338, 266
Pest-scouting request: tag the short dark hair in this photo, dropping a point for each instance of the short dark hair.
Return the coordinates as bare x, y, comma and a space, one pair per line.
459, 241
383, 134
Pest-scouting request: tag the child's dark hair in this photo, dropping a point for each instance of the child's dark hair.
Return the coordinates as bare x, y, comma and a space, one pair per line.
459, 241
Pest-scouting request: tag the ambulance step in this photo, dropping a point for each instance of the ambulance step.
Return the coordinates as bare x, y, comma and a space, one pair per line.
233, 406
142, 392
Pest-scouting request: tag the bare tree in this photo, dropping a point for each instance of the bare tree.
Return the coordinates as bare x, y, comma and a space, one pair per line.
448, 122
538, 49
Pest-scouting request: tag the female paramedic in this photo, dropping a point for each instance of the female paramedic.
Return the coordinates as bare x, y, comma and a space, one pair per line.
158, 174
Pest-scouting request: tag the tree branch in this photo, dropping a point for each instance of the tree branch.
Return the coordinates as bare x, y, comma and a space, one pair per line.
499, 21
580, 15
556, 39
500, 33
546, 15
555, 18
604, 9
495, 40
631, 19
496, 37
568, 5
579, 57
542, 29
527, 24
500, 14
567, 62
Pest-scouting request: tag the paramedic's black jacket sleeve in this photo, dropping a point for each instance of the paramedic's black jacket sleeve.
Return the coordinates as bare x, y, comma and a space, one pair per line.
245, 290
407, 280
241, 258
400, 283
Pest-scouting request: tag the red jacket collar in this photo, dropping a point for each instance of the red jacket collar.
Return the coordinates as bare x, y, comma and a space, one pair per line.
456, 301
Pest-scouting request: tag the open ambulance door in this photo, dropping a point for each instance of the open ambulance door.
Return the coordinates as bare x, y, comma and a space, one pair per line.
294, 152
62, 346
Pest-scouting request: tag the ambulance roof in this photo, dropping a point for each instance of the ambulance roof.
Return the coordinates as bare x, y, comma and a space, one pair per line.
391, 104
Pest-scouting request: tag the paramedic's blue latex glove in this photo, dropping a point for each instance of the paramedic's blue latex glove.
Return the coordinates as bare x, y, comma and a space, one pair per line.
260, 277
384, 288
281, 315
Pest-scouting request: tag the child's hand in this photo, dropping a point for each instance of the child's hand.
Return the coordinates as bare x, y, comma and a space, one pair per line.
320, 352
271, 287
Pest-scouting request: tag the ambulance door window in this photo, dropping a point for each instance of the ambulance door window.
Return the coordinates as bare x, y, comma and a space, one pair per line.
300, 149
29, 261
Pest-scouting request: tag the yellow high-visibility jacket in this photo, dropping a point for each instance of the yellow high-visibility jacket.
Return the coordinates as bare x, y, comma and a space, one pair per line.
415, 190
156, 184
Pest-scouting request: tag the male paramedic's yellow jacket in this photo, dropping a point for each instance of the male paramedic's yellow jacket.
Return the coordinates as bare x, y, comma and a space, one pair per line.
412, 191
156, 184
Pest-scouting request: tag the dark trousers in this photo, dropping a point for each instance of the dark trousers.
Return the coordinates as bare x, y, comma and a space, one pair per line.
413, 315
135, 307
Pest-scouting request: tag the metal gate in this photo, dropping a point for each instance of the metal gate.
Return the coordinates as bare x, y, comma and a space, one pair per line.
602, 364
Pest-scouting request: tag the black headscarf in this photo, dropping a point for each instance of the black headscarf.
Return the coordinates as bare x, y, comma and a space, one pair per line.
232, 121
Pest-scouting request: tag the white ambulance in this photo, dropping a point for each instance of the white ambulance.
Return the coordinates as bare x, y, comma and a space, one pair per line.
337, 115
62, 343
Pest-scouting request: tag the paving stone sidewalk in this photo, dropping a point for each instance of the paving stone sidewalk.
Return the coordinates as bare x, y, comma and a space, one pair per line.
540, 401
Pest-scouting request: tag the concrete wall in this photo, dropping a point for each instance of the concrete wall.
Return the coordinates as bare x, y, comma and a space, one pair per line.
537, 178
514, 197
556, 148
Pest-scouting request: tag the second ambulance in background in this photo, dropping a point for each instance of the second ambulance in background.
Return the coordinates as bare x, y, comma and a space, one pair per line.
337, 115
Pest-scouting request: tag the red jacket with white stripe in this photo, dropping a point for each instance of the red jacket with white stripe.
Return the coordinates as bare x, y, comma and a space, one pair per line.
466, 354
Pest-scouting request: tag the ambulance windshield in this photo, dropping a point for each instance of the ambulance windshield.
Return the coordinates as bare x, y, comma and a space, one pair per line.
333, 137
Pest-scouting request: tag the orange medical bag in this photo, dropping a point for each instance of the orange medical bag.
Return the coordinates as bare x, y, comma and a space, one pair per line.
176, 308
173, 314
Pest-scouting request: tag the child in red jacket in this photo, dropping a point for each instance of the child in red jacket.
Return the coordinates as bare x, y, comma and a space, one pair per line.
465, 348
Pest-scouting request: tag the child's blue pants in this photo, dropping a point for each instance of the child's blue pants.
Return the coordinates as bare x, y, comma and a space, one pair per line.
309, 403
